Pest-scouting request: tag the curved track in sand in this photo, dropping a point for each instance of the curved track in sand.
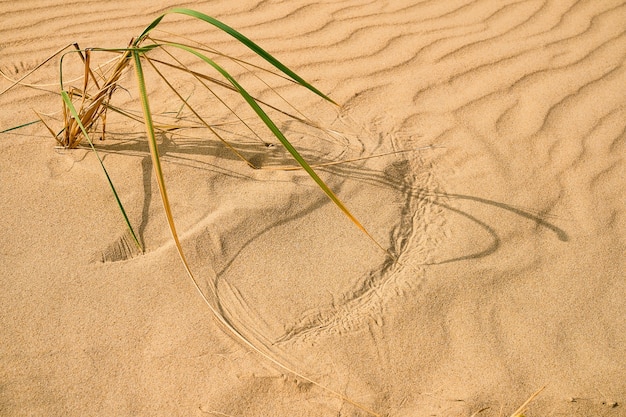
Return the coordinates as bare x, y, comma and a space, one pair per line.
507, 235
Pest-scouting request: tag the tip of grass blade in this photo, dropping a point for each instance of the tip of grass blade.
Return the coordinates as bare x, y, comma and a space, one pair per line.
20, 126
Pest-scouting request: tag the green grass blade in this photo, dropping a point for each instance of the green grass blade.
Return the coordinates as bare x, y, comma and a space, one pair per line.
279, 135
241, 38
74, 113
147, 30
20, 126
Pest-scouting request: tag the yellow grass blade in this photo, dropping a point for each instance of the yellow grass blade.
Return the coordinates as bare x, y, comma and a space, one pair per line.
520, 411
156, 163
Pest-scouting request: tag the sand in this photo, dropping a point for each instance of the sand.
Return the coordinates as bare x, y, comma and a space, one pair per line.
506, 219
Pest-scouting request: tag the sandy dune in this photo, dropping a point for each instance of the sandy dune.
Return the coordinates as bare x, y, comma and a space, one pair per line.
502, 206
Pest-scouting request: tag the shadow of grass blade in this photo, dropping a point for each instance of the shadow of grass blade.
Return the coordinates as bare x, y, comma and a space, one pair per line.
74, 113
241, 38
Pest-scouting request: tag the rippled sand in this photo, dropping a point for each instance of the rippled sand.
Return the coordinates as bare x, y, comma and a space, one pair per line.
499, 130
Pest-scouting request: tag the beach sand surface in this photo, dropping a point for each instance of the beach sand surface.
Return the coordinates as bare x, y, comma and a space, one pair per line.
481, 144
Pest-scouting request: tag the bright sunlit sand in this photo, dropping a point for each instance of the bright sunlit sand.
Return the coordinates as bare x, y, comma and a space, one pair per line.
498, 130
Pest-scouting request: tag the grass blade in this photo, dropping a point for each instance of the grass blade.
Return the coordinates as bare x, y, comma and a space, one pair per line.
522, 409
241, 38
18, 82
156, 160
74, 113
20, 126
279, 135
222, 320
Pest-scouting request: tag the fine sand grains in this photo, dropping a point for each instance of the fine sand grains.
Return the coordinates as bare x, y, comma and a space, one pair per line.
506, 223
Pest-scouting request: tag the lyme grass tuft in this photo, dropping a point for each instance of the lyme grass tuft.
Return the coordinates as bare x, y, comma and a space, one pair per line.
85, 109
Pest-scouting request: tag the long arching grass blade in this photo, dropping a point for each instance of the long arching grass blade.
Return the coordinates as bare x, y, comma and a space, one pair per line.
216, 313
241, 38
74, 113
156, 163
154, 153
279, 135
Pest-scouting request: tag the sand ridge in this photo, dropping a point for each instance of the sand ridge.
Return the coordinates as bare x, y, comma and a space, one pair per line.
506, 223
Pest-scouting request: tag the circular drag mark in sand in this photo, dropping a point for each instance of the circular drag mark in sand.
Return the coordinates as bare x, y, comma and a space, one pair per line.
292, 268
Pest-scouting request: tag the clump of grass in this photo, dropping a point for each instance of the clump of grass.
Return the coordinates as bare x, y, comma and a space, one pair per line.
84, 111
